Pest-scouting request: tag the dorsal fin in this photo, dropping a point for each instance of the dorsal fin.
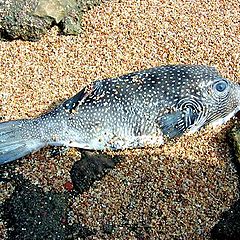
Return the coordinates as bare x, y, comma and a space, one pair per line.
72, 103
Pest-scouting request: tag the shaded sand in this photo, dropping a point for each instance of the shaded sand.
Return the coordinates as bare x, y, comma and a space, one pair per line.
177, 191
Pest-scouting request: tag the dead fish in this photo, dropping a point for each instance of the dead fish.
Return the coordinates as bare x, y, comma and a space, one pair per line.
131, 111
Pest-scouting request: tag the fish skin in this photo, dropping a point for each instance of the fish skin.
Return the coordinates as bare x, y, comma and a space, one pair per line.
130, 111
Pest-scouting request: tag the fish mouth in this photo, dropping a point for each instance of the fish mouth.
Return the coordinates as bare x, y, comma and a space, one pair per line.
223, 120
214, 121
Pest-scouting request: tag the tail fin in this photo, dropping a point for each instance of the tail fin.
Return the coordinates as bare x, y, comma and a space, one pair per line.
16, 140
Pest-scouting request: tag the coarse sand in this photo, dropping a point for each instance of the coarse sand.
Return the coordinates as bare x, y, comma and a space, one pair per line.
177, 191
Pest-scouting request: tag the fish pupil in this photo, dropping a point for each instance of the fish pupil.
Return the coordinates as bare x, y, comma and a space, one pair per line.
221, 86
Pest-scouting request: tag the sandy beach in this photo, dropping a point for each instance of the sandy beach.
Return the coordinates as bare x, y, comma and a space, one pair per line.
177, 191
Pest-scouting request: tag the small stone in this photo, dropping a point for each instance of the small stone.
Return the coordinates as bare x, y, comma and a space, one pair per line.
68, 186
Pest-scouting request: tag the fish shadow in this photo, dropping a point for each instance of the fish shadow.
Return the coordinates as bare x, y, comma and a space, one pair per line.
31, 213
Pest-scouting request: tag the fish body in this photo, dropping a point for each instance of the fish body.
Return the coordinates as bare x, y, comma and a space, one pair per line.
130, 111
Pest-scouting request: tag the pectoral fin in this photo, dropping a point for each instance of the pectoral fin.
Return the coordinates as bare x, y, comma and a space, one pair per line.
176, 123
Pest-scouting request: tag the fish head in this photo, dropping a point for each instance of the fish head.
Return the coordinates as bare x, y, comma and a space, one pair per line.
222, 99
203, 97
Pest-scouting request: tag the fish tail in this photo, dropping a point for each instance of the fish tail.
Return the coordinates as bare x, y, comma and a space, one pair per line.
17, 140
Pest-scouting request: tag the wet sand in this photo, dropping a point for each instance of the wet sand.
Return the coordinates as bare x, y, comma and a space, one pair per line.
177, 191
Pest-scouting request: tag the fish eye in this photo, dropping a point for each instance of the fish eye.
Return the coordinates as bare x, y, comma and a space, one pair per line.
220, 86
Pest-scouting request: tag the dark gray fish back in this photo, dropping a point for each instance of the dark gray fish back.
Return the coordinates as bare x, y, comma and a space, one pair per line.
166, 82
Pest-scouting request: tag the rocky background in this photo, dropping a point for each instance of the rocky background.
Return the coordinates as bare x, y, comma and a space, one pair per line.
29, 20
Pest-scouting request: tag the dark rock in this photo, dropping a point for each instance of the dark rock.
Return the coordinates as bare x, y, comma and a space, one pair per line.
228, 228
235, 135
29, 20
71, 23
31, 213
92, 167
55, 9
17, 20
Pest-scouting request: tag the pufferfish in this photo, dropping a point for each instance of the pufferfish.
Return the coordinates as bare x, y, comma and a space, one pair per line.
130, 111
